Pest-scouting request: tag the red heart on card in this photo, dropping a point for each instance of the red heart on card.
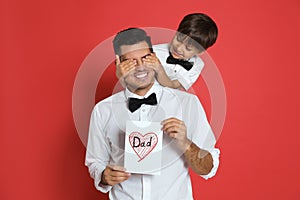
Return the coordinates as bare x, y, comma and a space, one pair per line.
143, 144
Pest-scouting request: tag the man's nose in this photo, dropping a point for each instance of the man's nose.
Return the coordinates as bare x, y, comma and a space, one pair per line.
139, 62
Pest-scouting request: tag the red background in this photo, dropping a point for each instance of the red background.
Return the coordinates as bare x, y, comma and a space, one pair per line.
43, 44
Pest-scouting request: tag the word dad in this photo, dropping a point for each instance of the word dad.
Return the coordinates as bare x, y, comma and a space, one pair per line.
143, 145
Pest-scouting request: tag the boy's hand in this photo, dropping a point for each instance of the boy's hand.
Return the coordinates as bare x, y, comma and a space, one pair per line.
123, 68
153, 62
113, 175
176, 129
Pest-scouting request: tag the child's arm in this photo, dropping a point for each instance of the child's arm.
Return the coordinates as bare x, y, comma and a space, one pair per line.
123, 68
153, 62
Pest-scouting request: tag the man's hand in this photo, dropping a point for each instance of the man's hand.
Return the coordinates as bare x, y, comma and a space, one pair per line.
199, 160
176, 129
113, 175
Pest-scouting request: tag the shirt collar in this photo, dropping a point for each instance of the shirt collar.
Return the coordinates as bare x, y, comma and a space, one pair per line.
156, 88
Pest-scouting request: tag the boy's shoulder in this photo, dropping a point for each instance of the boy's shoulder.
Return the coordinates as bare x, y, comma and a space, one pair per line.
161, 47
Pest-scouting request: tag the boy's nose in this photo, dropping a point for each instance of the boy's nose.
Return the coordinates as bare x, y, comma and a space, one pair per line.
180, 48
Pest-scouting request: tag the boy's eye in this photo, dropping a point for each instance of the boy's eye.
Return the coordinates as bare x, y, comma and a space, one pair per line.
188, 48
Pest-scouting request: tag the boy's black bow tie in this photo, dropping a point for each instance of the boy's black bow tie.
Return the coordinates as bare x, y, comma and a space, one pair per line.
185, 64
134, 103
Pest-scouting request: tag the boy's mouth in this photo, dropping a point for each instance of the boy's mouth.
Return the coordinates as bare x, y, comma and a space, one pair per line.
175, 54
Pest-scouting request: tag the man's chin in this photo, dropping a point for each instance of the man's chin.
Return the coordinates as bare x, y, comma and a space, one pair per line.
141, 87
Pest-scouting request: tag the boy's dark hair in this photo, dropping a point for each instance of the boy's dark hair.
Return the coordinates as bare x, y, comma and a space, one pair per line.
130, 36
200, 28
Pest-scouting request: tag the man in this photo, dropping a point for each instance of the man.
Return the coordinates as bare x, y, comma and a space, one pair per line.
187, 142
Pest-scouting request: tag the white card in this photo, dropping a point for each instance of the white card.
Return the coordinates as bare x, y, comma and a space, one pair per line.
143, 147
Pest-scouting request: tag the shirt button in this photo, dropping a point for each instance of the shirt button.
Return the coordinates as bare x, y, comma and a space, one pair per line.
175, 71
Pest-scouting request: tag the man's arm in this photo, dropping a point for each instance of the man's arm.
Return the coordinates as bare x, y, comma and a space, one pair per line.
198, 159
98, 156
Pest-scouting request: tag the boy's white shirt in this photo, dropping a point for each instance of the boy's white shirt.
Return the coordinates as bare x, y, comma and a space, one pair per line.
177, 72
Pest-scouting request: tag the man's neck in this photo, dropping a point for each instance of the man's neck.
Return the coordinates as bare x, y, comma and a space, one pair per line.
141, 91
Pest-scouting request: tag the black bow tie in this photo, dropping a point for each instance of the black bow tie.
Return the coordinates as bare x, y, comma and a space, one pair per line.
185, 64
134, 103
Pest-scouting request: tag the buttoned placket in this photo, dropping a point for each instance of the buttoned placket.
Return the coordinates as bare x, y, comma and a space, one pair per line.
176, 68
146, 179
144, 110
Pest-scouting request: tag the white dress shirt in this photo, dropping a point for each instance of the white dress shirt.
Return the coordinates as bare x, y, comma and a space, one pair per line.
106, 144
177, 72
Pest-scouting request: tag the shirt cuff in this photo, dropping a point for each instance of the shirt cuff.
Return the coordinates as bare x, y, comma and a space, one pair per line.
186, 84
99, 186
215, 153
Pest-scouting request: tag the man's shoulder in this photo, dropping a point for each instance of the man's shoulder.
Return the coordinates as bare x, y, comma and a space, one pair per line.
108, 101
183, 95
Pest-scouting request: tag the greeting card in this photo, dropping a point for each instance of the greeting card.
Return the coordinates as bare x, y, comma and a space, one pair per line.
143, 147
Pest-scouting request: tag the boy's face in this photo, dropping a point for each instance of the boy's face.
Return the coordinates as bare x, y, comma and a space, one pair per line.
140, 79
180, 48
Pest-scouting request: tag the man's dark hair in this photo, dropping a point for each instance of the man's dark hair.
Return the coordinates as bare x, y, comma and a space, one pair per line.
200, 28
130, 36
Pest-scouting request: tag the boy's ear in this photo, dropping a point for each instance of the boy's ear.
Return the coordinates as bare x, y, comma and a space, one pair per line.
201, 53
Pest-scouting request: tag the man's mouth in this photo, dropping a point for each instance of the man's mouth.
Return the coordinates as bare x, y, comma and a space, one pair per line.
141, 75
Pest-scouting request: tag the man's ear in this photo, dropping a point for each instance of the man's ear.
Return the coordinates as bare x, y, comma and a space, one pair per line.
151, 50
117, 60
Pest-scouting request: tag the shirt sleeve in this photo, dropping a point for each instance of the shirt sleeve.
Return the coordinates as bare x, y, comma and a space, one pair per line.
98, 151
202, 135
215, 153
188, 78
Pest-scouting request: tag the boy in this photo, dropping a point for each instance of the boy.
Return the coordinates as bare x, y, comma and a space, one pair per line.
177, 64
